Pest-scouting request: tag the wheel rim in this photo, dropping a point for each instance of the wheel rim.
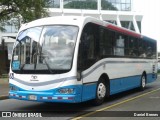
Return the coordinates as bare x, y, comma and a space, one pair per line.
101, 91
143, 81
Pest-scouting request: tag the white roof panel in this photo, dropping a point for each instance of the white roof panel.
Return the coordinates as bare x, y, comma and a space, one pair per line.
59, 20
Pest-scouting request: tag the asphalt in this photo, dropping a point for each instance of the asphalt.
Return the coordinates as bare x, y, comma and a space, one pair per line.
4, 88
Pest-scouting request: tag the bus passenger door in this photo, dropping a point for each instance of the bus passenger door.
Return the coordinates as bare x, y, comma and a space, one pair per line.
86, 58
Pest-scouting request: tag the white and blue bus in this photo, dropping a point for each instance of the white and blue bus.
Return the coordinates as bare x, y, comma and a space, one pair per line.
73, 59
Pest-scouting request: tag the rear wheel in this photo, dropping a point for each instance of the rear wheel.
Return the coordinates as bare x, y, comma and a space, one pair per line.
100, 92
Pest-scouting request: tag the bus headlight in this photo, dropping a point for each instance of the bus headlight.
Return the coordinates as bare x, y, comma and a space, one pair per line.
66, 91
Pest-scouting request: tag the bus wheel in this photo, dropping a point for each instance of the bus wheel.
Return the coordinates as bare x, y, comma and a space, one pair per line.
100, 92
143, 82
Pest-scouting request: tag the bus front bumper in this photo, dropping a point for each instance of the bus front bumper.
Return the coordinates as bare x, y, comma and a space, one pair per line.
48, 95
44, 97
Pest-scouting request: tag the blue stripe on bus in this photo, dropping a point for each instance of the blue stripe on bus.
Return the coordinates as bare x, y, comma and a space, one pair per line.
116, 86
123, 84
86, 91
89, 91
48, 93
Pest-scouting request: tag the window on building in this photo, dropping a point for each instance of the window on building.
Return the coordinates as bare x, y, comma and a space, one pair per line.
108, 5
128, 25
120, 5
11, 26
139, 25
80, 4
52, 4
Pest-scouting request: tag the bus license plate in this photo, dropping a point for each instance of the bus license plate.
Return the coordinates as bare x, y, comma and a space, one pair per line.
32, 97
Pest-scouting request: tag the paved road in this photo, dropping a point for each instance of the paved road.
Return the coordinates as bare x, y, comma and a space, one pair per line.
133, 100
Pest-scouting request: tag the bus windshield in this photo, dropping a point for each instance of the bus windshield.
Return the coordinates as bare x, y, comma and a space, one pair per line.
46, 49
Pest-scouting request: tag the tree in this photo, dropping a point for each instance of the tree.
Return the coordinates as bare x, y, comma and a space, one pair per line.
89, 4
81, 4
22, 10
107, 5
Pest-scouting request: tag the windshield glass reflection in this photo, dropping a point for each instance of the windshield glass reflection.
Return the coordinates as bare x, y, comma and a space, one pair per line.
48, 48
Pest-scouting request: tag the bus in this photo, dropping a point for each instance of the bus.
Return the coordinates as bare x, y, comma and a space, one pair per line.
72, 59
158, 61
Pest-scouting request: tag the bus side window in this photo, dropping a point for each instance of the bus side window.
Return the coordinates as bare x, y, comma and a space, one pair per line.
149, 52
141, 53
119, 45
87, 47
91, 47
141, 46
133, 43
105, 42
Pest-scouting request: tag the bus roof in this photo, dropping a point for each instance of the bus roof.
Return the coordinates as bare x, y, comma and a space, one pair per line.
59, 20
79, 21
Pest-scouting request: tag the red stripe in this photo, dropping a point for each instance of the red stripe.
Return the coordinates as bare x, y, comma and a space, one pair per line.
70, 98
122, 30
49, 98
59, 98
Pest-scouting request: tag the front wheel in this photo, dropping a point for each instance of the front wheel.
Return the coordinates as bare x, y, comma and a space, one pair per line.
143, 82
100, 92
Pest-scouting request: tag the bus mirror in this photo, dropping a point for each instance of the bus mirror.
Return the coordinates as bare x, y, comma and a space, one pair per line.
78, 76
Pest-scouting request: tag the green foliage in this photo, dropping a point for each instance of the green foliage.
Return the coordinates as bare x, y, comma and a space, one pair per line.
26, 10
89, 4
107, 5
51, 4
2, 29
82, 5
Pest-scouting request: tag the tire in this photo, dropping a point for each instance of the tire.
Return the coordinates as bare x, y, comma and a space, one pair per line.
101, 91
143, 82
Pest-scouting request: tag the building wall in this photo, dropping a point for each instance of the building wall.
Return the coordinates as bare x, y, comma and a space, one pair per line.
118, 13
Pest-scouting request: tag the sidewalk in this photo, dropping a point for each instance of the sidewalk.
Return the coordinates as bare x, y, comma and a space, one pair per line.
4, 88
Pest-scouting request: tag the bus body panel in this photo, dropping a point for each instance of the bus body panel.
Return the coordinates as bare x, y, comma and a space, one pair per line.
126, 76
45, 87
123, 73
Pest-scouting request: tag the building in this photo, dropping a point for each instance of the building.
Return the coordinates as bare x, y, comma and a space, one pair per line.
120, 12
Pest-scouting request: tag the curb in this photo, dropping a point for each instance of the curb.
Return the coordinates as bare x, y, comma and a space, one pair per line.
3, 97
4, 81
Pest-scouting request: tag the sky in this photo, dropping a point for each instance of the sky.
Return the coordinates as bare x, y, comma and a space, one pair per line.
151, 18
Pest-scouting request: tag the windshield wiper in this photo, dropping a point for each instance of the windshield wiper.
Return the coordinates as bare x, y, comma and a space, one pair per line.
50, 70
40, 55
21, 68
